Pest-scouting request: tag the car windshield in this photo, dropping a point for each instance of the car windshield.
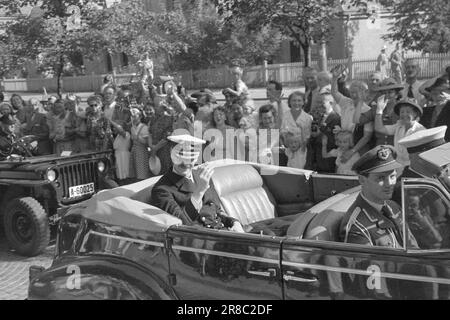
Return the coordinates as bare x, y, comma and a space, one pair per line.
445, 178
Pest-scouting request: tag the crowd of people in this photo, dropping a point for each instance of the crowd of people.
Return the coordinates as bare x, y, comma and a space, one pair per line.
325, 129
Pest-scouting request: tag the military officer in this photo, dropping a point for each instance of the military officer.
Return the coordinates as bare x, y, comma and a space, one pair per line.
7, 137
185, 192
374, 219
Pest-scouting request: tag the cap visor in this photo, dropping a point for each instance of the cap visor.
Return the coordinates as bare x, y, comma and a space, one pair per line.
386, 168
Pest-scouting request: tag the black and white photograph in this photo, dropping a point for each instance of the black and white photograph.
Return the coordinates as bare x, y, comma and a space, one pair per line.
250, 152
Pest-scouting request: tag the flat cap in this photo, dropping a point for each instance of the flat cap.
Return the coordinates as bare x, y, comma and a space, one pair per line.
424, 140
379, 159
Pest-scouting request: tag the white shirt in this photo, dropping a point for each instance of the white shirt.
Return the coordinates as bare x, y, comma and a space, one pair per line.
399, 131
344, 168
348, 110
415, 89
109, 110
303, 122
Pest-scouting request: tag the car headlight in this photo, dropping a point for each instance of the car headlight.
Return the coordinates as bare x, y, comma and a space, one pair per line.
101, 166
51, 175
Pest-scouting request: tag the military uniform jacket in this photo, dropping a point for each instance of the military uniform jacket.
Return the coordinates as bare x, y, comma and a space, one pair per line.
172, 193
6, 141
363, 224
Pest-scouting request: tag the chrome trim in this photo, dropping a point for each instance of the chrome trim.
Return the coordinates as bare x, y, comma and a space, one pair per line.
150, 243
367, 273
227, 254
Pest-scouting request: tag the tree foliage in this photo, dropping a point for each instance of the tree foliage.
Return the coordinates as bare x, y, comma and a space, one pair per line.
46, 37
417, 24
303, 21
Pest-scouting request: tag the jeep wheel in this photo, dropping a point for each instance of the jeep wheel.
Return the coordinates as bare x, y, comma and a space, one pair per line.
26, 226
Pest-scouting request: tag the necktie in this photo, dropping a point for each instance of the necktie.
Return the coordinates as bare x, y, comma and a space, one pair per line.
388, 213
410, 92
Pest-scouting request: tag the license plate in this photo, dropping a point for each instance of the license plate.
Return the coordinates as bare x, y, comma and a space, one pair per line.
81, 190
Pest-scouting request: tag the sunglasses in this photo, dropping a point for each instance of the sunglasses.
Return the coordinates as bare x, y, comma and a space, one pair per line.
93, 105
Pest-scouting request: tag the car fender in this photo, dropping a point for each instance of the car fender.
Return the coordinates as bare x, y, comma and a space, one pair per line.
98, 278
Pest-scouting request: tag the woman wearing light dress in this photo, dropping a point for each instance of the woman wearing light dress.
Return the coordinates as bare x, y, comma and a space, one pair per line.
351, 111
139, 168
296, 118
122, 145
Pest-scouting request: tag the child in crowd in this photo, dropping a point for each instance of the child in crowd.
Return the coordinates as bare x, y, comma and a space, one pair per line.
295, 148
344, 142
247, 140
239, 89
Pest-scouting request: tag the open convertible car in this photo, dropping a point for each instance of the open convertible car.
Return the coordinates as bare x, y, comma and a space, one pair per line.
117, 246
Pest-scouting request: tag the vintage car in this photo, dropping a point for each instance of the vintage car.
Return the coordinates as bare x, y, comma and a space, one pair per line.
36, 190
117, 246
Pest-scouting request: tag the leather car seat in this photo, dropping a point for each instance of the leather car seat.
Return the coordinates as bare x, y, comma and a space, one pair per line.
242, 193
298, 227
325, 226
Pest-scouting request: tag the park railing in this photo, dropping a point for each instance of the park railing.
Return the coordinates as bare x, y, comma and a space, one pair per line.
289, 74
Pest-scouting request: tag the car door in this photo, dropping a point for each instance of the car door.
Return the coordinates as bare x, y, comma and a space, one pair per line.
219, 264
314, 269
427, 214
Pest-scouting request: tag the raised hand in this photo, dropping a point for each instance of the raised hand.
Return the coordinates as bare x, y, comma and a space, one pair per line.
202, 175
381, 103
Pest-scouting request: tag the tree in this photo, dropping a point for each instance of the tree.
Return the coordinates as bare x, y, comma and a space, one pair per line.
418, 25
303, 21
63, 31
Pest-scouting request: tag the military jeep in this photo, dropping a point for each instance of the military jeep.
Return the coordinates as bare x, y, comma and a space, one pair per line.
36, 191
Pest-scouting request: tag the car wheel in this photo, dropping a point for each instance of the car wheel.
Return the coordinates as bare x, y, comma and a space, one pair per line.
26, 226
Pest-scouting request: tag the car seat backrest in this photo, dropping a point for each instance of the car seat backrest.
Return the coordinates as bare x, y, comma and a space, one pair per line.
325, 226
242, 193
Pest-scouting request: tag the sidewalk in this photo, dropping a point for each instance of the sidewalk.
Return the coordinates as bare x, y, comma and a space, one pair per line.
258, 94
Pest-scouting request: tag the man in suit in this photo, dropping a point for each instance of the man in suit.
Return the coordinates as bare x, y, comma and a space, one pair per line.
185, 191
312, 92
438, 114
36, 124
412, 84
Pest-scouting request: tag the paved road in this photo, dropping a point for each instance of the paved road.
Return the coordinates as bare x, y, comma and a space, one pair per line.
14, 270
255, 93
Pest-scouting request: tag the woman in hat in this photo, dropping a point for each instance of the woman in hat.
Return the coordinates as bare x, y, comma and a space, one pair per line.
392, 91
139, 154
409, 113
